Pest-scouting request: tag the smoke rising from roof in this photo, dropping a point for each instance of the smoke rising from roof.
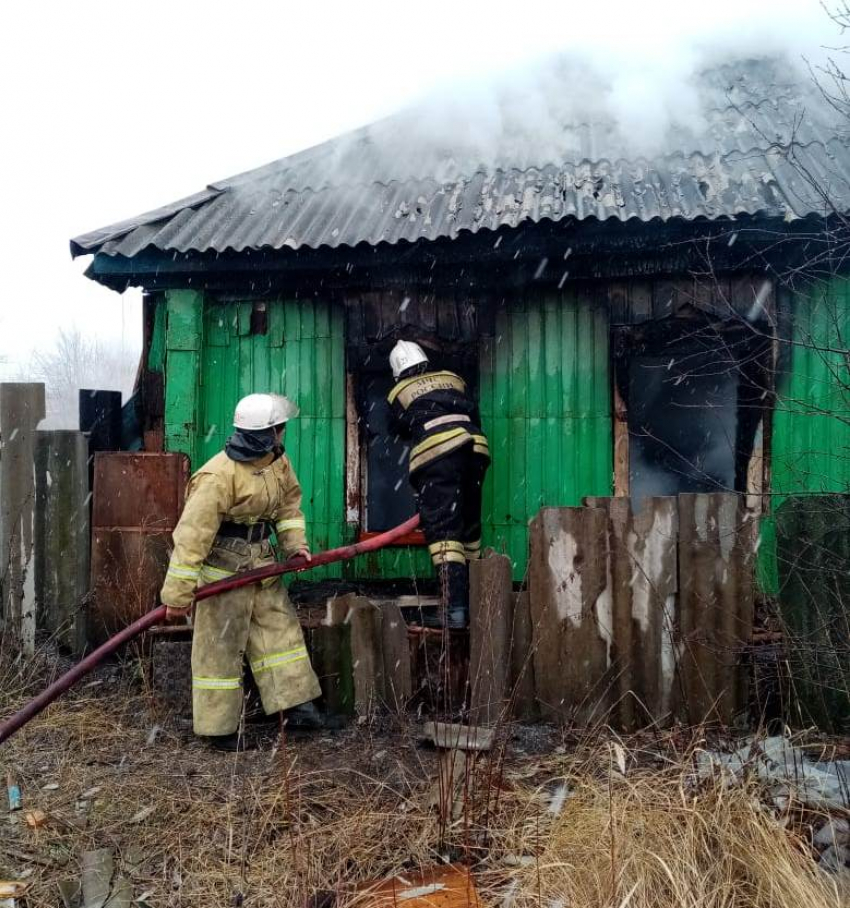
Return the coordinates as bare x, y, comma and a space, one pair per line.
611, 89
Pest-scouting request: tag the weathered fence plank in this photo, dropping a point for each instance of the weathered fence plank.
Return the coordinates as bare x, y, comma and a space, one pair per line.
62, 535
522, 659
21, 410
490, 625
640, 618
643, 565
363, 620
398, 677
716, 549
571, 610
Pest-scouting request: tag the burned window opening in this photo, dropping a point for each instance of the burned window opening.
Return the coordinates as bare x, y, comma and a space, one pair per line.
259, 319
695, 392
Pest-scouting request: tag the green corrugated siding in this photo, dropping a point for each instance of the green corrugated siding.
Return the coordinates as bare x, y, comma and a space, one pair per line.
811, 427
301, 355
545, 396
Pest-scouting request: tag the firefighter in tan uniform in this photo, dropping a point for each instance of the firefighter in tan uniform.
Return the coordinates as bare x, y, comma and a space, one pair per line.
233, 504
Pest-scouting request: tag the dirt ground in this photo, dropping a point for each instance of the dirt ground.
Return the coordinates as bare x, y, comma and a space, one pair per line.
547, 817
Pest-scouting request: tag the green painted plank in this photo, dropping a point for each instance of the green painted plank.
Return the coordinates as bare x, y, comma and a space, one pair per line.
181, 390
185, 319
261, 363
156, 352
292, 319
216, 328
243, 319
276, 327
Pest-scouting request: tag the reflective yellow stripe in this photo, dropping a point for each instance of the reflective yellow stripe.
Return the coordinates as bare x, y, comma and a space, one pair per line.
291, 523
183, 571
200, 683
445, 557
437, 439
400, 387
274, 660
473, 550
208, 572
446, 545
438, 451
480, 445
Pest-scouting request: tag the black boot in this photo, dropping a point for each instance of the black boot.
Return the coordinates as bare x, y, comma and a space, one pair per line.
305, 717
232, 743
454, 590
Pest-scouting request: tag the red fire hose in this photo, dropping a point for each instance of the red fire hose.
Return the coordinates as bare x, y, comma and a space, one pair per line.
70, 678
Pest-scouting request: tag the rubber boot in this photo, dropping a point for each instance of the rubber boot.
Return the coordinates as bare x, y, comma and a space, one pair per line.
454, 586
304, 717
232, 743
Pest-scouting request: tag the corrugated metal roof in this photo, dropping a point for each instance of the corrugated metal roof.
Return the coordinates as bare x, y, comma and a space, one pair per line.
388, 182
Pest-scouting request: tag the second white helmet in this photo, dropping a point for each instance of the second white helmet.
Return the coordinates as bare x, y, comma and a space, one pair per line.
404, 355
262, 411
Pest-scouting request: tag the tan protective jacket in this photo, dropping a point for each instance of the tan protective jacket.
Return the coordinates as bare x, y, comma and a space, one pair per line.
225, 489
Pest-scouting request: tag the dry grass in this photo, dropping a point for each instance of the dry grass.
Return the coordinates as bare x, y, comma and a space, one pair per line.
557, 829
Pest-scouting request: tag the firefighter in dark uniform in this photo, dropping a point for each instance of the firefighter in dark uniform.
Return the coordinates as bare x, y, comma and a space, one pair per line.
449, 457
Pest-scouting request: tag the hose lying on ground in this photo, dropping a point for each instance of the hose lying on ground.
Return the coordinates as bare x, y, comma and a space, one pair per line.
157, 615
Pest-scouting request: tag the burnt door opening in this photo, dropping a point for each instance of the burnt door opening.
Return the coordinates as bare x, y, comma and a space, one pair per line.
695, 395
386, 492
389, 497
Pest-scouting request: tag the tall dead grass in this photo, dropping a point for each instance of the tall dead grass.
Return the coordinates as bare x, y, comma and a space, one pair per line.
596, 826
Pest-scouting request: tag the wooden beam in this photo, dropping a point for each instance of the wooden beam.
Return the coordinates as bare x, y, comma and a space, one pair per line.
490, 621
621, 445
22, 407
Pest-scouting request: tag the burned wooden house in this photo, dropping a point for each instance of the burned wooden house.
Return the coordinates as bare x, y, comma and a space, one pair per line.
633, 326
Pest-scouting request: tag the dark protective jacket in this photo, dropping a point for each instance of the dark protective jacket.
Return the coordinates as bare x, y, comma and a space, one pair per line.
436, 413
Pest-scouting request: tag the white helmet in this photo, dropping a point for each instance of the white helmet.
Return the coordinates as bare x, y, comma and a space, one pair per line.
262, 411
404, 355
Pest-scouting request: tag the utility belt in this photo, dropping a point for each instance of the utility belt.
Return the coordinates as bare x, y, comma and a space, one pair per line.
250, 532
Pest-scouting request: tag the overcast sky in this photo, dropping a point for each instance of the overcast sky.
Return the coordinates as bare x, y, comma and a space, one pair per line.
113, 108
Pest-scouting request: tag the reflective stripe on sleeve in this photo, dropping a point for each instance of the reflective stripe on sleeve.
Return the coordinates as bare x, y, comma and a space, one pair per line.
183, 571
200, 683
275, 660
446, 420
210, 574
291, 523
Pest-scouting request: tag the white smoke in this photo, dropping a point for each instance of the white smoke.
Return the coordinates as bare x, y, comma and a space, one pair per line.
633, 71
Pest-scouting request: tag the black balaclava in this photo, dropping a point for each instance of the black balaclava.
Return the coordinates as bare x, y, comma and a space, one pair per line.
246, 444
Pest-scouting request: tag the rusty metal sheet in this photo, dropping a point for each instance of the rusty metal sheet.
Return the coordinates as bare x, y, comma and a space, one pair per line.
137, 502
127, 572
141, 491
